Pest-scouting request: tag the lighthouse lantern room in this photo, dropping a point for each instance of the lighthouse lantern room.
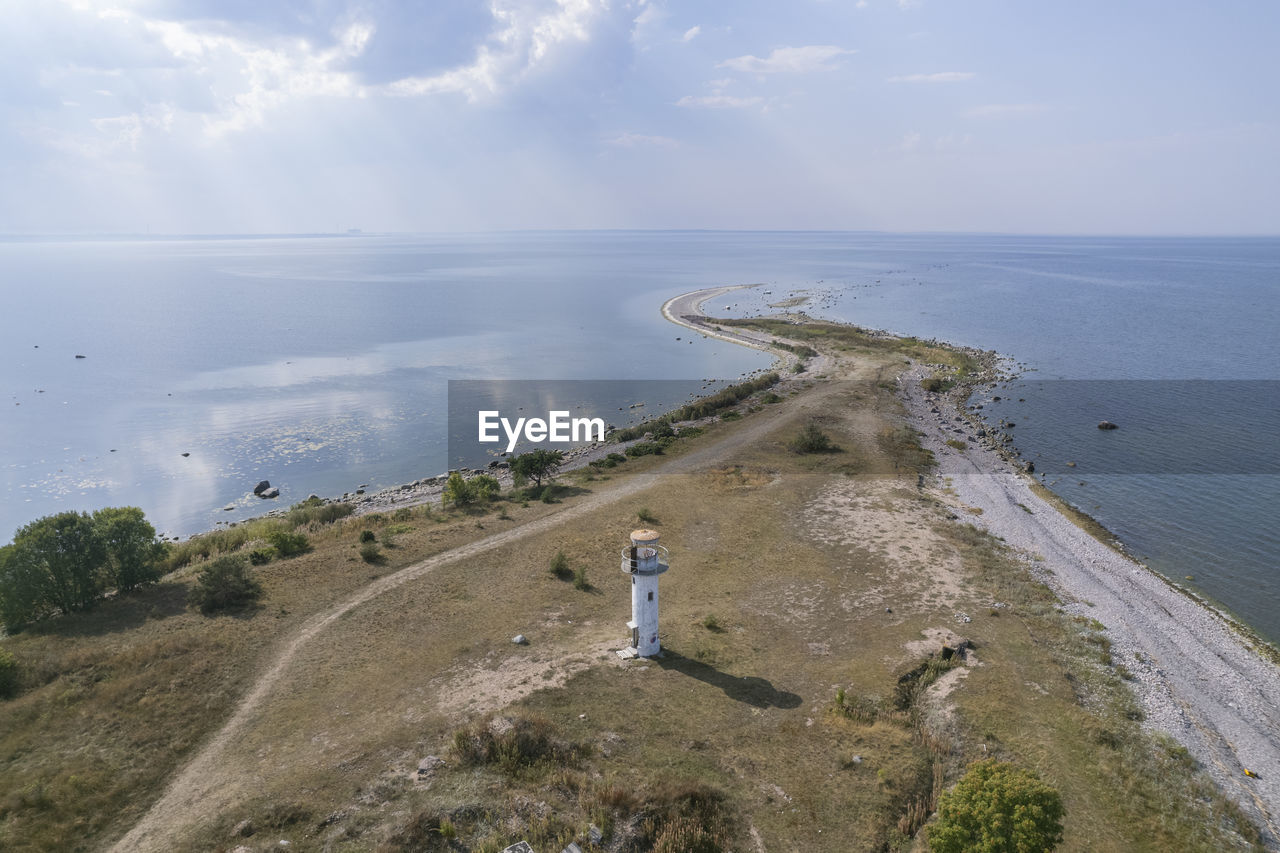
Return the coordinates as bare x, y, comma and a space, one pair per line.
644, 560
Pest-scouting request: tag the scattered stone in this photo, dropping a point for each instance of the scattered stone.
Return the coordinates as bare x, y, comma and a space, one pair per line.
1107, 425
518, 847
520, 640
185, 455
428, 766
1071, 464
262, 487
595, 834
228, 507
82, 356
243, 829
313, 497
272, 492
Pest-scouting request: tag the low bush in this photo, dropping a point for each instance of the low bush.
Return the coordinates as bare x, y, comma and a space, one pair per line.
371, 552
225, 583
288, 544
812, 440
997, 807
559, 566
8, 674
644, 448
368, 536
262, 556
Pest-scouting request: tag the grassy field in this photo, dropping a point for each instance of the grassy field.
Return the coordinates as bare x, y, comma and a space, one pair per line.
802, 702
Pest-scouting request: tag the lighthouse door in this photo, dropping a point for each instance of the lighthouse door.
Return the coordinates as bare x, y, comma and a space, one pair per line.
635, 637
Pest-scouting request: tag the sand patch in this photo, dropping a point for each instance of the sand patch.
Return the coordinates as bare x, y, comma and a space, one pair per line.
878, 523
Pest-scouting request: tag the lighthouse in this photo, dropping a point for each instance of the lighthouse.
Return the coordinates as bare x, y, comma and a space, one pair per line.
644, 560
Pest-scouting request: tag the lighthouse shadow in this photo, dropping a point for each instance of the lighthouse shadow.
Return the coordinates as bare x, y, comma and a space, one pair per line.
751, 690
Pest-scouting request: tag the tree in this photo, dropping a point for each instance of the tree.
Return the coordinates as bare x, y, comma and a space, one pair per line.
57, 561
486, 488
225, 583
133, 551
997, 808
458, 491
536, 465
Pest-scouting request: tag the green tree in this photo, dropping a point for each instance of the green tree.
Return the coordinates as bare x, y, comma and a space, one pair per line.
458, 491
997, 808
57, 562
225, 583
486, 488
133, 551
536, 465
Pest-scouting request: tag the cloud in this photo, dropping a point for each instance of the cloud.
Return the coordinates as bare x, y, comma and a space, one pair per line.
910, 141
640, 140
523, 42
996, 110
937, 77
788, 60
908, 4
718, 101
691, 33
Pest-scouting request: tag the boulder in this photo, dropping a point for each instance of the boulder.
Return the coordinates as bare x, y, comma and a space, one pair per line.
272, 492
262, 487
520, 640
428, 766
1107, 425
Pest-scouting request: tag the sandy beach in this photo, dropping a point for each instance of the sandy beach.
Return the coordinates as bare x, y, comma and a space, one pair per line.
1199, 679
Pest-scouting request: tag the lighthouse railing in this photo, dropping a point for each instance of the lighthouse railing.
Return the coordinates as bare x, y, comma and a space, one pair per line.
649, 560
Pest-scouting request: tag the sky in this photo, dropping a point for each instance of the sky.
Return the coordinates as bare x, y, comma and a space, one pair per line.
241, 116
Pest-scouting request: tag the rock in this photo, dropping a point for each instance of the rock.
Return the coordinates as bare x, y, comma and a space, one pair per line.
185, 455
243, 829
313, 497
520, 640
428, 766
1107, 425
272, 492
262, 487
228, 507
1031, 467
82, 356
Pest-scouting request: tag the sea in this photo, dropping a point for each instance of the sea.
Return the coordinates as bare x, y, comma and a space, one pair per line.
322, 363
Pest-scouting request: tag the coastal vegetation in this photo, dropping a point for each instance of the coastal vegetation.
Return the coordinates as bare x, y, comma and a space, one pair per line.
788, 576
67, 562
225, 583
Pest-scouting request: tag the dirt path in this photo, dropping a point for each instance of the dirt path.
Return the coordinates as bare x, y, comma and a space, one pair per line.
205, 773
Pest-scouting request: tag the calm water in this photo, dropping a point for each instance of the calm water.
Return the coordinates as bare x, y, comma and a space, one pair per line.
321, 363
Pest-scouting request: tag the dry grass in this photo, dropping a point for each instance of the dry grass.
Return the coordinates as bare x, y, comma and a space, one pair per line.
733, 735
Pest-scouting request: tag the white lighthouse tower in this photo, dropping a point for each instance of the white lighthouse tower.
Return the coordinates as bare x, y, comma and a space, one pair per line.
644, 560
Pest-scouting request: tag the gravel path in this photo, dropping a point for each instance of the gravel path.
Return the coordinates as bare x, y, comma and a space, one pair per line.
1197, 678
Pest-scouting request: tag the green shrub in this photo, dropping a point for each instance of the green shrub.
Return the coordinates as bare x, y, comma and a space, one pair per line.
812, 440
559, 565
458, 491
486, 488
262, 556
580, 578
8, 674
367, 536
646, 516
935, 384
711, 623
288, 544
644, 448
316, 511
224, 584
370, 552
997, 807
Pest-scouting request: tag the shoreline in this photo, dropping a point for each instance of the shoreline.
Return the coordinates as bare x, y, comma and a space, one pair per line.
1202, 676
